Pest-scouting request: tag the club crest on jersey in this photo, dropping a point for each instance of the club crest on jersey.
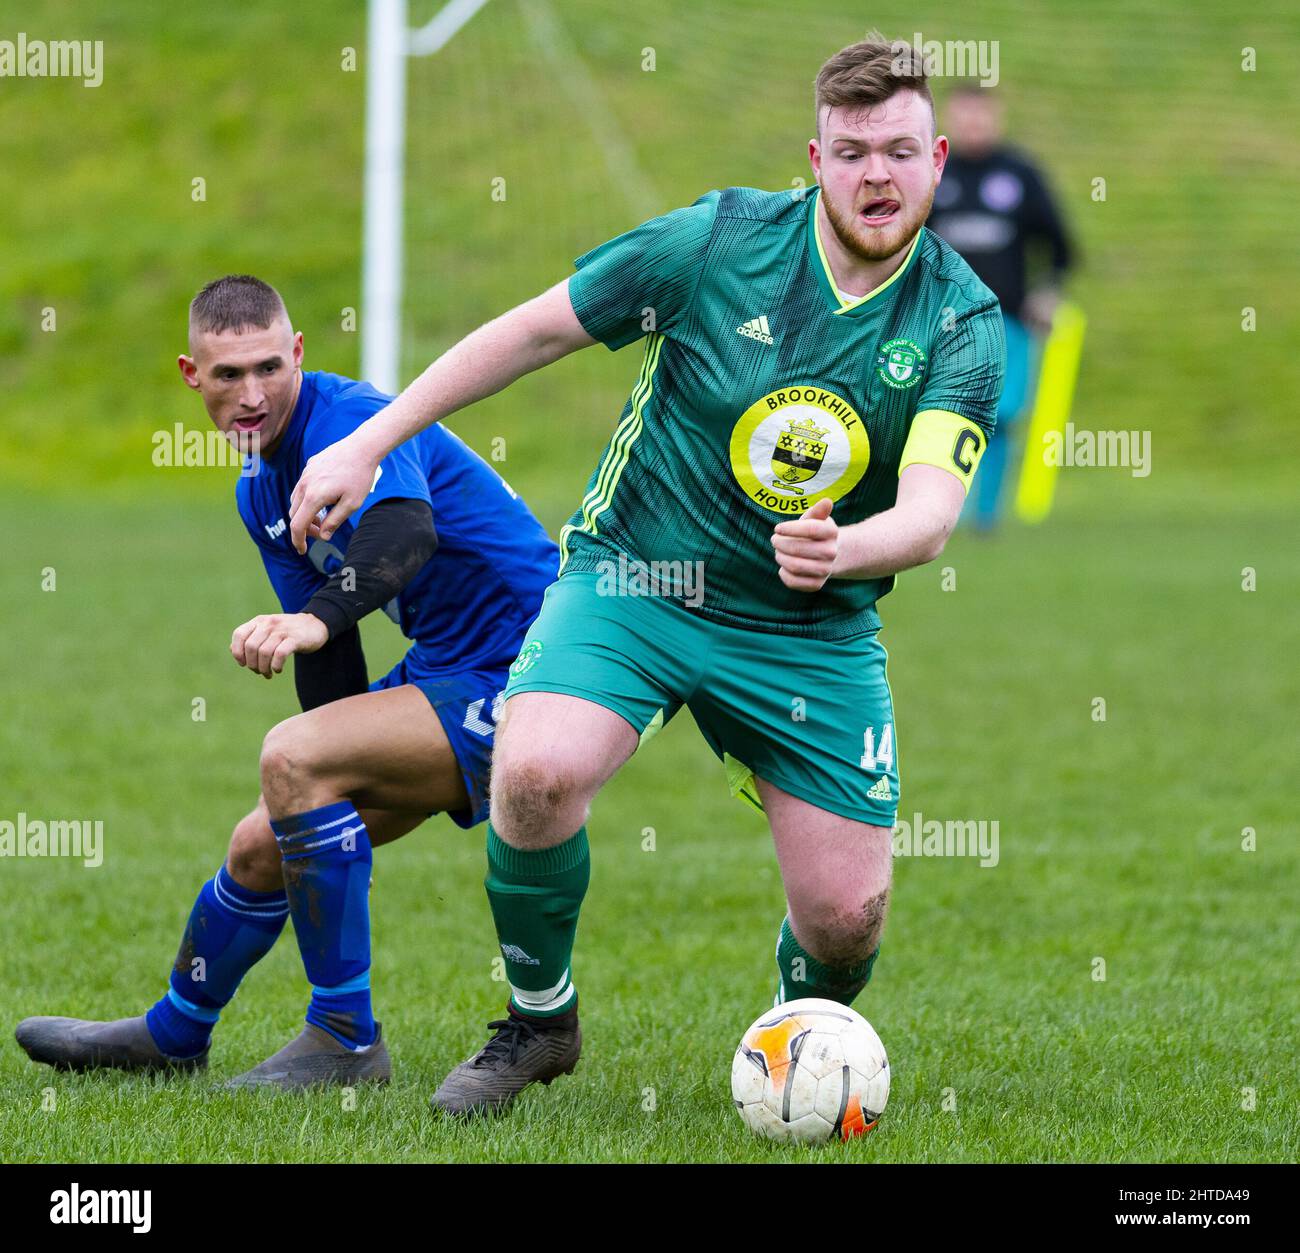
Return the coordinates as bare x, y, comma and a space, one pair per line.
900, 363
796, 445
799, 452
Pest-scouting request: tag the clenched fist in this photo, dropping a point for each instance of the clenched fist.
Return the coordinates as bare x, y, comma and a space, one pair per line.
806, 548
266, 642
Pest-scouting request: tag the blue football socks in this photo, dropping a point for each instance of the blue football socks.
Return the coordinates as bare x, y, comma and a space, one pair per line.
231, 928
327, 860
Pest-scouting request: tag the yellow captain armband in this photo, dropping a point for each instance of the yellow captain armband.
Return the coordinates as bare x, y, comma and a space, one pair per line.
947, 440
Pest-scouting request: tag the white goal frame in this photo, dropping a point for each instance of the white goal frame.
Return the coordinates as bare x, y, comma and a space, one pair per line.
389, 42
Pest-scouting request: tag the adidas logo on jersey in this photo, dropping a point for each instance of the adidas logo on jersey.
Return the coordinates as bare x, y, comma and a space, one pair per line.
757, 328
514, 953
879, 791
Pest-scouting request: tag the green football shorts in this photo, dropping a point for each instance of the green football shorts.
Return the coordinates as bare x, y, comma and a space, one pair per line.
814, 717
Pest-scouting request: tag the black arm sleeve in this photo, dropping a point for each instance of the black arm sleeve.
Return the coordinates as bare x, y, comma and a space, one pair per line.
390, 545
332, 672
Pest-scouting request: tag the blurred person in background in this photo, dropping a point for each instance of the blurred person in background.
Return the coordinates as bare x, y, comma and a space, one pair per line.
994, 207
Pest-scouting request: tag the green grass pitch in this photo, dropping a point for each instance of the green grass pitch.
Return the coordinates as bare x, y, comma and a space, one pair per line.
1119, 840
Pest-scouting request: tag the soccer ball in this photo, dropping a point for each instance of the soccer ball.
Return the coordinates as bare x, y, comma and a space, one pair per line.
808, 1071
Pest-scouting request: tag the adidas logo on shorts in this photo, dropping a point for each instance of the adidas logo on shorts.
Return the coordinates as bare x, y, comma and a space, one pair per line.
757, 328
879, 791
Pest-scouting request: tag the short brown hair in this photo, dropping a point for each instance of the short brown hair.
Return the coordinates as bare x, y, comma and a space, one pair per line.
868, 73
238, 302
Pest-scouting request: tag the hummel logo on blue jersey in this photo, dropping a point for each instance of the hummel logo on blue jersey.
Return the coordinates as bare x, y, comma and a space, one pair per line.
275, 530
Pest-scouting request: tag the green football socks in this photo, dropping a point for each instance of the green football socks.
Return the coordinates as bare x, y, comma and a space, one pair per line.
803, 975
535, 898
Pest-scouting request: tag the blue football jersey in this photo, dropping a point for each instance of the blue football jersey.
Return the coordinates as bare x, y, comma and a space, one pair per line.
472, 601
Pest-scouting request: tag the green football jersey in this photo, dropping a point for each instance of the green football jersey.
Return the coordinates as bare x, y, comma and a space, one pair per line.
761, 391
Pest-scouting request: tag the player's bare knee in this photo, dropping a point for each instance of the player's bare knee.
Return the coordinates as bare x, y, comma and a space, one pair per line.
277, 758
838, 943
287, 765
254, 856
840, 928
534, 799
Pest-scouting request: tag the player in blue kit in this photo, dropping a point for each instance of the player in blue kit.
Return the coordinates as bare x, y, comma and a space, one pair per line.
445, 546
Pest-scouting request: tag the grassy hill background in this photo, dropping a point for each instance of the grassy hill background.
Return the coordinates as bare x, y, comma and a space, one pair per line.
99, 224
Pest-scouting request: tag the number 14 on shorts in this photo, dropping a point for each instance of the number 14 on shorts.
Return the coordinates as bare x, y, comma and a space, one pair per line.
878, 754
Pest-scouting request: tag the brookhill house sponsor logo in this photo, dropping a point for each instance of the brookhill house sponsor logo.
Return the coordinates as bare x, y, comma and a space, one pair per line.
34, 837
53, 58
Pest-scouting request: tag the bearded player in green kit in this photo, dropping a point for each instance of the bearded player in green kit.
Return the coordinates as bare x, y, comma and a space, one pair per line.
819, 381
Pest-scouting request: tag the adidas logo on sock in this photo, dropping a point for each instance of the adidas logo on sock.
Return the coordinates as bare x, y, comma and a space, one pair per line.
879, 791
757, 328
517, 955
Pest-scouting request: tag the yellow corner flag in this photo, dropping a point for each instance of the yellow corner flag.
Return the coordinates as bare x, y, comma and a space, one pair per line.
1052, 400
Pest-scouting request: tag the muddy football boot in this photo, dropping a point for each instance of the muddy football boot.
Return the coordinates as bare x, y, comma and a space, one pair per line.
315, 1058
523, 1051
75, 1044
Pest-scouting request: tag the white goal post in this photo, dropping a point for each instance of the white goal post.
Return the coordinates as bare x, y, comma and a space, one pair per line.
389, 41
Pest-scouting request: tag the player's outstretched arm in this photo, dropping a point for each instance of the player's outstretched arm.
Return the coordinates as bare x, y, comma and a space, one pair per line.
487, 360
811, 549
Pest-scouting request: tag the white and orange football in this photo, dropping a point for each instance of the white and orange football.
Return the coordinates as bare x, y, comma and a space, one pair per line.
809, 1071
